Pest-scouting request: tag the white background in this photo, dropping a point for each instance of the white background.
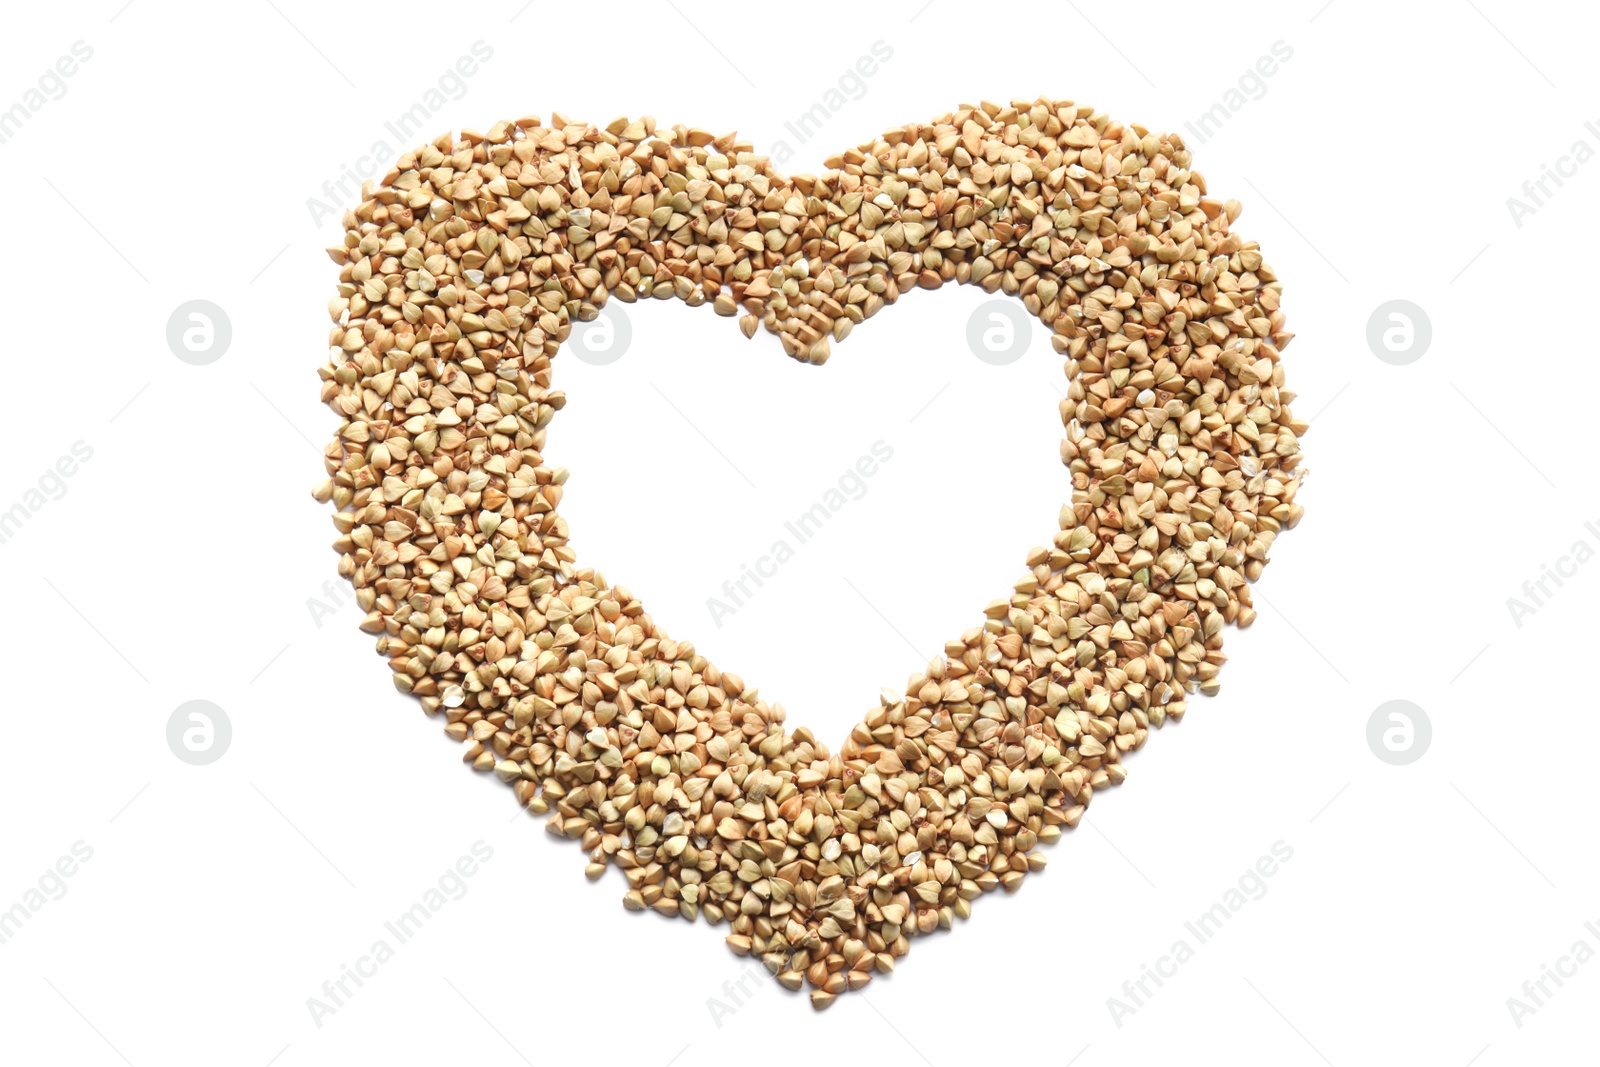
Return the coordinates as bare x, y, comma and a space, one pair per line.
183, 559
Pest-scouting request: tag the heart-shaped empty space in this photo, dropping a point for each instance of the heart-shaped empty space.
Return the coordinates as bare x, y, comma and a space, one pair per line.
821, 531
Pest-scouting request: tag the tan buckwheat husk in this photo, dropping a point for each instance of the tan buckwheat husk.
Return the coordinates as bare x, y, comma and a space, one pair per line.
460, 275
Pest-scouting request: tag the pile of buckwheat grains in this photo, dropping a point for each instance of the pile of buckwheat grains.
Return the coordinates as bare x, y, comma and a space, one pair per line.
461, 273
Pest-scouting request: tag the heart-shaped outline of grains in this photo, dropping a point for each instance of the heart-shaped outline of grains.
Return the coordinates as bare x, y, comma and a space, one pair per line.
461, 273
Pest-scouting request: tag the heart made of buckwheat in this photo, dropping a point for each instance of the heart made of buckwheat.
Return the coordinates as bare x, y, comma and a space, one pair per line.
461, 274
